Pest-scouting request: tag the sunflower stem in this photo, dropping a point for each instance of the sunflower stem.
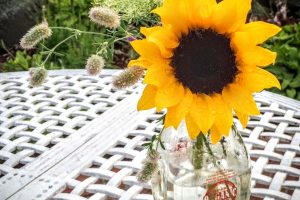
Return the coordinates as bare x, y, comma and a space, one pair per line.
223, 147
197, 155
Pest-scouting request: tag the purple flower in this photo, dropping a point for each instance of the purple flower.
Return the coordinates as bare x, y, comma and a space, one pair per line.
130, 39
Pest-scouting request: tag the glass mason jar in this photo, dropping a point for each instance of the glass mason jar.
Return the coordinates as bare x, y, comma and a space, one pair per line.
199, 170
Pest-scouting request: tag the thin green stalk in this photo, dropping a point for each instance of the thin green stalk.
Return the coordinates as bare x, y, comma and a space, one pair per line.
7, 51
240, 138
198, 152
53, 49
128, 34
76, 33
223, 147
122, 38
158, 138
208, 148
215, 163
80, 31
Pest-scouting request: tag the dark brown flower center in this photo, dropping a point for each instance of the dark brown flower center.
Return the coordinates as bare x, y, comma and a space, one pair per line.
204, 61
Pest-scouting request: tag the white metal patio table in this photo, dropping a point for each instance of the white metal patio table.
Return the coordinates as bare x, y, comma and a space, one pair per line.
77, 138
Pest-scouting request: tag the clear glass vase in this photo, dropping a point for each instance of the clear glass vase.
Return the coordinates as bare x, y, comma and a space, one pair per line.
199, 170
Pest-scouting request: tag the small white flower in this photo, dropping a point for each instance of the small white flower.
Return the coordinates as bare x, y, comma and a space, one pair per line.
37, 76
128, 77
94, 64
35, 35
105, 17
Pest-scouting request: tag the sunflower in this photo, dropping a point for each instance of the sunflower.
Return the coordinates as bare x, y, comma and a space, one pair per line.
203, 63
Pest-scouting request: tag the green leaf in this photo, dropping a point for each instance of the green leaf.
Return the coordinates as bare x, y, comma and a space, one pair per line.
291, 93
296, 82
21, 59
162, 145
153, 138
298, 96
285, 83
293, 64
288, 75
146, 144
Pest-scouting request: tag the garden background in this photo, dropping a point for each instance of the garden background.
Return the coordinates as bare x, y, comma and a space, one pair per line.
18, 16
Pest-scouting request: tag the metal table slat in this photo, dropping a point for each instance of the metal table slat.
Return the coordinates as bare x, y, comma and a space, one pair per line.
78, 138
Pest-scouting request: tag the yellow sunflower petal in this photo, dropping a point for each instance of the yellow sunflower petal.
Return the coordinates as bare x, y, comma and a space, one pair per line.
243, 118
147, 50
257, 79
165, 52
177, 113
169, 95
229, 15
240, 99
223, 119
158, 75
147, 101
201, 113
204, 9
243, 8
139, 62
258, 32
170, 13
189, 8
215, 136
147, 31
165, 36
257, 56
192, 127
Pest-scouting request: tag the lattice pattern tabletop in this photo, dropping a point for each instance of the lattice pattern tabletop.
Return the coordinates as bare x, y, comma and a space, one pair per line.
77, 138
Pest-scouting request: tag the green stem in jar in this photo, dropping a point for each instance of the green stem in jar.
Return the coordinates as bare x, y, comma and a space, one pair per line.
215, 163
197, 153
223, 147
236, 132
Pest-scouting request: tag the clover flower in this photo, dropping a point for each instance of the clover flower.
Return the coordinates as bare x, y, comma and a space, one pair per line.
150, 167
35, 35
37, 76
128, 77
94, 64
105, 17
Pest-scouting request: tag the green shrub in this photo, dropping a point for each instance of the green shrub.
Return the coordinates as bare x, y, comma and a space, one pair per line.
70, 13
74, 14
287, 67
22, 62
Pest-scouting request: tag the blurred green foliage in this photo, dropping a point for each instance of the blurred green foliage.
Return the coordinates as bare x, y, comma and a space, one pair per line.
74, 53
22, 61
136, 13
133, 11
69, 13
287, 66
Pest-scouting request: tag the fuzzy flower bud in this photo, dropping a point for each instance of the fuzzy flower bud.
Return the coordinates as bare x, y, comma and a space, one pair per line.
105, 17
153, 156
37, 76
150, 167
128, 77
94, 64
148, 170
35, 35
